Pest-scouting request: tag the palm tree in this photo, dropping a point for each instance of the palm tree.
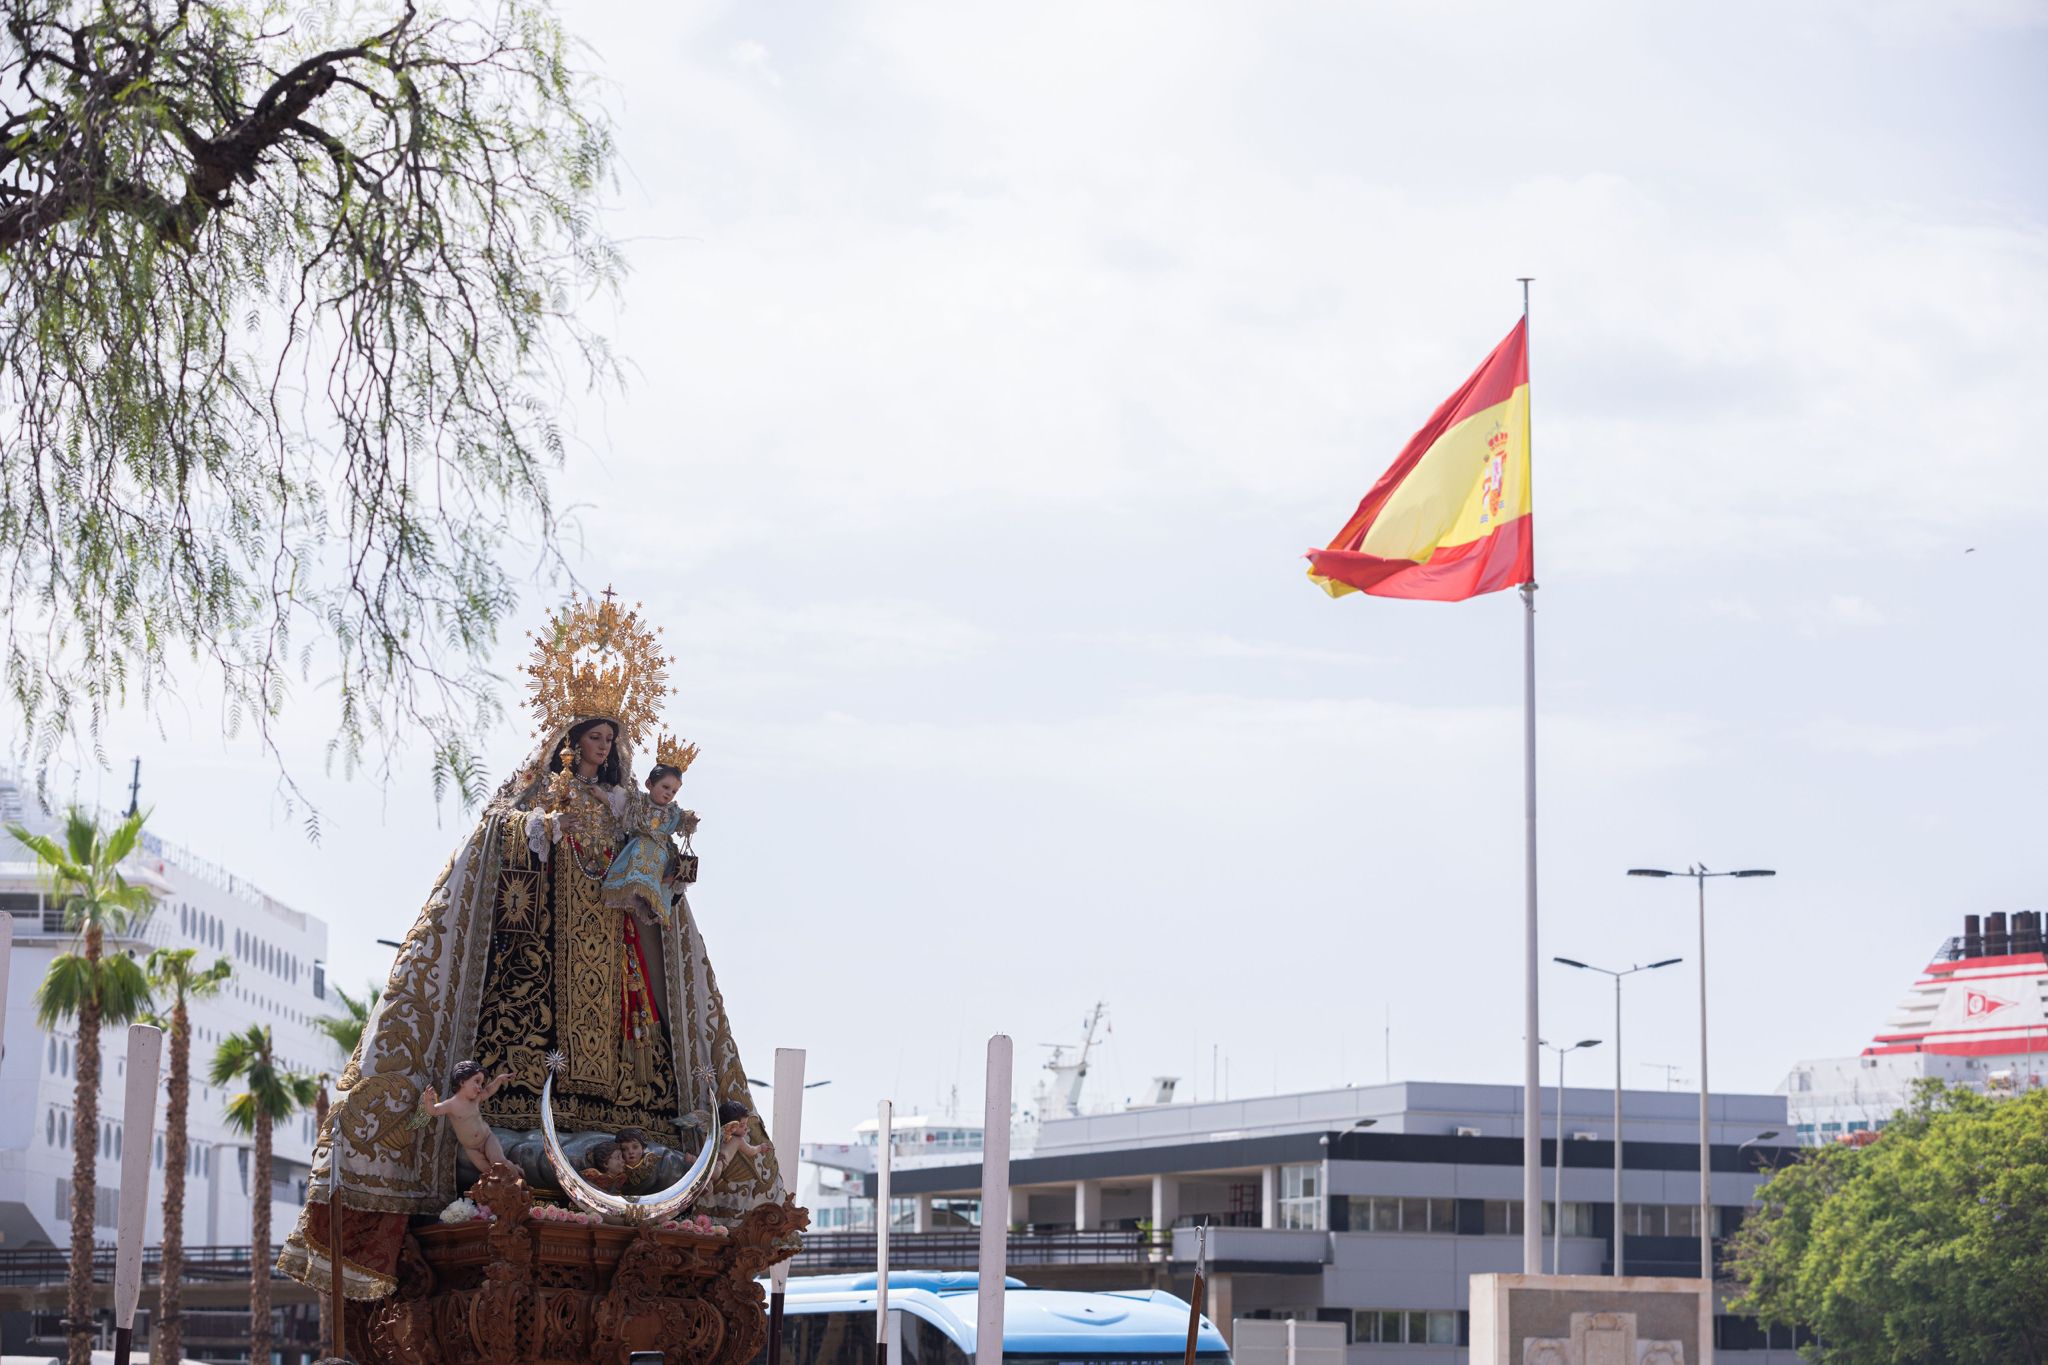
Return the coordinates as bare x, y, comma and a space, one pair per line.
173, 977
272, 1096
83, 874
347, 1029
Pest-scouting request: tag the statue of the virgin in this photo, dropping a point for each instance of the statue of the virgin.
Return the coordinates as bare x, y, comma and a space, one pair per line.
519, 962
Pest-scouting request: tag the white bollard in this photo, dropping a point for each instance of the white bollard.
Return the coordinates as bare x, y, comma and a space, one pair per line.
995, 1205
138, 1122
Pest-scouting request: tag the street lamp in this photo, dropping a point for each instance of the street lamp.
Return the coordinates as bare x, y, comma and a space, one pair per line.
1764, 1136
1604, 971
1557, 1200
1699, 874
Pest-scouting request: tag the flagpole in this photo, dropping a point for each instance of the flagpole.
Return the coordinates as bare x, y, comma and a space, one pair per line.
1532, 1084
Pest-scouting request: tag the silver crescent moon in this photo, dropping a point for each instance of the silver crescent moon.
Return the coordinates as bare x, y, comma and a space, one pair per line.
658, 1207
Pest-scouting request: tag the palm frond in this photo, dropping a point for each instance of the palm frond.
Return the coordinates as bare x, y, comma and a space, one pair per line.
171, 970
81, 833
235, 1054
66, 986
241, 1112
48, 853
123, 839
124, 988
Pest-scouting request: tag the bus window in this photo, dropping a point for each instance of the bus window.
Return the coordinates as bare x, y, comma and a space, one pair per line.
924, 1344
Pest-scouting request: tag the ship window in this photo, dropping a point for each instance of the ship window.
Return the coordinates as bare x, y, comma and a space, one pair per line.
64, 1052
50, 1128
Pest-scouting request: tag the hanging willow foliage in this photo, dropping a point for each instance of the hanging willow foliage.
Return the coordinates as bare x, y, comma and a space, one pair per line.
287, 299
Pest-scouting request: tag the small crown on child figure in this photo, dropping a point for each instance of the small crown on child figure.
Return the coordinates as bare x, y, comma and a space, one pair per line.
673, 753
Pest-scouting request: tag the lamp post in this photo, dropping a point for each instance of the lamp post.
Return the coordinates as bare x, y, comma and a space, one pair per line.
1604, 971
1699, 874
1557, 1199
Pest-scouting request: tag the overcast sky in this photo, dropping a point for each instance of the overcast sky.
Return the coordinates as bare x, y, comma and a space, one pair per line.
996, 365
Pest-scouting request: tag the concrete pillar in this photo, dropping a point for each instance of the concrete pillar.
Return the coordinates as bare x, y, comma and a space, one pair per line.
1269, 1196
921, 1215
1087, 1205
1220, 1305
1165, 1202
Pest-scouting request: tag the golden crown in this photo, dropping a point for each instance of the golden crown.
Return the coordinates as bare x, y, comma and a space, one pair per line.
674, 753
596, 660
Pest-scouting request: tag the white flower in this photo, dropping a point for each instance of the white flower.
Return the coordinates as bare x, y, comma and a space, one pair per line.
461, 1211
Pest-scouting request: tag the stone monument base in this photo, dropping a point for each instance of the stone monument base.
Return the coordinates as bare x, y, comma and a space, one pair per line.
1591, 1320
520, 1290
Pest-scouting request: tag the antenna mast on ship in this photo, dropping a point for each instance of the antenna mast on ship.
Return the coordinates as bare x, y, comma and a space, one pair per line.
1061, 1097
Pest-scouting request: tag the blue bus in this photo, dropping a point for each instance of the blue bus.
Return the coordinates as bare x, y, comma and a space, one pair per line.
830, 1320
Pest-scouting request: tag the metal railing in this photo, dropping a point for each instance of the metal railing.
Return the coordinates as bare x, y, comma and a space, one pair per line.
52, 1265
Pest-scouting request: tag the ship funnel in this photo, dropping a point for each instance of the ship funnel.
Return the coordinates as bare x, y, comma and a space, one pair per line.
1996, 944
2026, 933
1973, 937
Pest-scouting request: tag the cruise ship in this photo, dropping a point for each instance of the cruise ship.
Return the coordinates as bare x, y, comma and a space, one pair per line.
279, 957
1977, 1017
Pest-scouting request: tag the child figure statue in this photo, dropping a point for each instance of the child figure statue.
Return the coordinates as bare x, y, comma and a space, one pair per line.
463, 1109
634, 882
733, 1118
636, 885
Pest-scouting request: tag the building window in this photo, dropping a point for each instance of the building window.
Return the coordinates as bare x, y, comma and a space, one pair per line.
50, 1128
1578, 1219
1402, 1213
1301, 1201
1680, 1220
1396, 1327
1503, 1218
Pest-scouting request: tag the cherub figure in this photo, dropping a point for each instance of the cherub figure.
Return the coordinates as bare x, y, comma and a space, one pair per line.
607, 1168
733, 1118
463, 1108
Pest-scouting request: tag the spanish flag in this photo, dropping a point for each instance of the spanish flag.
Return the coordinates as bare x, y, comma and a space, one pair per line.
1450, 520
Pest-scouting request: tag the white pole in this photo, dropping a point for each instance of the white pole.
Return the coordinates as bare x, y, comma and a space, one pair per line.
995, 1205
1557, 1199
138, 1124
787, 1137
1532, 1080
1706, 1173
1290, 1341
1618, 1270
885, 1139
